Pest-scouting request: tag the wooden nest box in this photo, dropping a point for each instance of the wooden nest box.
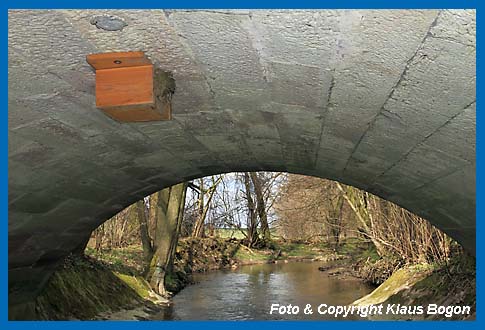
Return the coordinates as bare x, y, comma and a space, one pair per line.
125, 88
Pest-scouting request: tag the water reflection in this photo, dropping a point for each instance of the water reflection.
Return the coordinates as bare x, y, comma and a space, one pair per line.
248, 292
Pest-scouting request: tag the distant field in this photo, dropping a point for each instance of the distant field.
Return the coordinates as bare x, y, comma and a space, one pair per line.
232, 233
229, 233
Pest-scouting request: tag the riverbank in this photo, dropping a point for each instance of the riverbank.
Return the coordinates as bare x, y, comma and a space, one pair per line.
107, 285
198, 255
452, 284
82, 288
102, 284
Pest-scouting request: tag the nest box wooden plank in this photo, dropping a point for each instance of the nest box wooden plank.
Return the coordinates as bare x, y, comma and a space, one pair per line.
125, 89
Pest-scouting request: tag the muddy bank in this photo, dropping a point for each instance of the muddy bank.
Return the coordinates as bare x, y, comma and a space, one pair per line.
197, 255
341, 270
202, 254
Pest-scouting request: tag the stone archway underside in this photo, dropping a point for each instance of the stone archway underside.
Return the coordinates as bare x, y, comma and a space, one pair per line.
382, 100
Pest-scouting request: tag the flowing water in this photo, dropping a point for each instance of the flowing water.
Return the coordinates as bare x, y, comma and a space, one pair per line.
248, 292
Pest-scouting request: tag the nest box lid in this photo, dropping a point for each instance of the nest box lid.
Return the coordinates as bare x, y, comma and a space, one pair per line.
117, 60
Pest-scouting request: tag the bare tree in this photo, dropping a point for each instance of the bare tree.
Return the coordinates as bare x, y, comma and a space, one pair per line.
252, 233
261, 205
203, 205
357, 200
312, 209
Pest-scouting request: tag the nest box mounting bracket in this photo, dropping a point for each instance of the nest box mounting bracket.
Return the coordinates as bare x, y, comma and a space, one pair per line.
125, 88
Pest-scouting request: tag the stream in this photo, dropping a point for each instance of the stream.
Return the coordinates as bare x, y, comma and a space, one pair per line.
248, 292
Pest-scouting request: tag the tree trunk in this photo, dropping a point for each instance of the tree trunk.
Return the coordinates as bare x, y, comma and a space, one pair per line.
146, 242
252, 225
98, 234
336, 223
358, 206
170, 209
174, 241
199, 222
261, 206
152, 217
198, 230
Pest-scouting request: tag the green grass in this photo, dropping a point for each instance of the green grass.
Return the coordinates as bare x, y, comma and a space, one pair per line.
303, 251
256, 255
288, 250
128, 260
358, 249
232, 233
229, 233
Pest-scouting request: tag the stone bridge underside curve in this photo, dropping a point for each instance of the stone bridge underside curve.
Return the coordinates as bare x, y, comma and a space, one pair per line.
382, 100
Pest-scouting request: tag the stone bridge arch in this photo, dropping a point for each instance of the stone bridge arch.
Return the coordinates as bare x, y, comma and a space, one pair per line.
382, 100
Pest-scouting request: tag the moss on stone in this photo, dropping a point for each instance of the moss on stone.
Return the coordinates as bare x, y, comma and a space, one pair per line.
137, 283
420, 285
399, 280
81, 289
